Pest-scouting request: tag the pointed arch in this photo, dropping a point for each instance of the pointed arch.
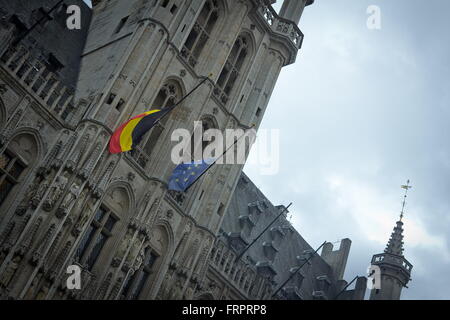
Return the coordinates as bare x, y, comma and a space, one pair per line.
211, 16
35, 136
170, 93
157, 253
108, 223
22, 154
127, 193
237, 62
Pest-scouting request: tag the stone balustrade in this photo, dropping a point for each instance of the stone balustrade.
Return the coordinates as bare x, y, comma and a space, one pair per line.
281, 26
42, 83
393, 259
241, 275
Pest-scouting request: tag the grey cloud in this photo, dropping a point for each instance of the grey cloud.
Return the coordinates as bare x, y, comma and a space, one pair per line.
372, 108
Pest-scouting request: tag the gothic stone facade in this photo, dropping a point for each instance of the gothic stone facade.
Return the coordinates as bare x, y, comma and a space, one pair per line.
64, 200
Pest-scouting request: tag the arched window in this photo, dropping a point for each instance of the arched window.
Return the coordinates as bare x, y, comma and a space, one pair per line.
141, 283
11, 168
201, 32
104, 224
134, 284
19, 155
167, 96
207, 123
232, 69
95, 237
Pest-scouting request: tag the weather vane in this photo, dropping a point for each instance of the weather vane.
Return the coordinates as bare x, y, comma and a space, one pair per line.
406, 187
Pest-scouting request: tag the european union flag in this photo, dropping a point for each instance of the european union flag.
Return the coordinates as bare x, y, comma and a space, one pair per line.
185, 174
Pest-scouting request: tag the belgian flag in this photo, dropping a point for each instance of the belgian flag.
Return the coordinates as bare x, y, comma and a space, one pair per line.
131, 132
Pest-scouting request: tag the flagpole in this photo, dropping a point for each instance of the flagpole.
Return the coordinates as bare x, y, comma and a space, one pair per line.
262, 232
298, 269
166, 111
215, 160
345, 288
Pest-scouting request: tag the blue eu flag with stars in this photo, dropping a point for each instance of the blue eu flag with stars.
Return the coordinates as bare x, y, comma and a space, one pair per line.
185, 174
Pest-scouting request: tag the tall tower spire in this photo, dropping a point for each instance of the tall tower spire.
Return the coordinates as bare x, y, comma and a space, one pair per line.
395, 243
395, 270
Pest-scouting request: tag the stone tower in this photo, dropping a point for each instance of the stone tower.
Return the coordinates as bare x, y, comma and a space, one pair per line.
395, 270
292, 9
66, 200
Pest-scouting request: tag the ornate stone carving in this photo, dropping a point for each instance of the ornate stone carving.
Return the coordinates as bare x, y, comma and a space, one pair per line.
76, 156
139, 259
124, 245
9, 272
55, 192
175, 291
70, 197
134, 251
83, 217
39, 252
189, 293
29, 236
131, 176
14, 234
88, 167
26, 200
3, 88
165, 287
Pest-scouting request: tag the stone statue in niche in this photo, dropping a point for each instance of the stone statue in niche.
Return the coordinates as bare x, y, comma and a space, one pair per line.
37, 197
164, 289
134, 251
9, 272
55, 192
83, 217
124, 245
175, 291
139, 260
188, 293
76, 211
70, 197
26, 201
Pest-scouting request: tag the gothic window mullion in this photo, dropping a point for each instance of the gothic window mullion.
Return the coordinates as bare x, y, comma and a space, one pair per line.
227, 78
10, 173
232, 67
166, 98
135, 289
144, 274
87, 251
200, 31
97, 236
140, 150
207, 20
203, 35
238, 54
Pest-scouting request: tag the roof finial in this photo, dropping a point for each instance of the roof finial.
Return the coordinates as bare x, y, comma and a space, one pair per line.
406, 187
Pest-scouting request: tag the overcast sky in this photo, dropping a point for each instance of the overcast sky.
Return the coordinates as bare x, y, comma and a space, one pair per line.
360, 112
